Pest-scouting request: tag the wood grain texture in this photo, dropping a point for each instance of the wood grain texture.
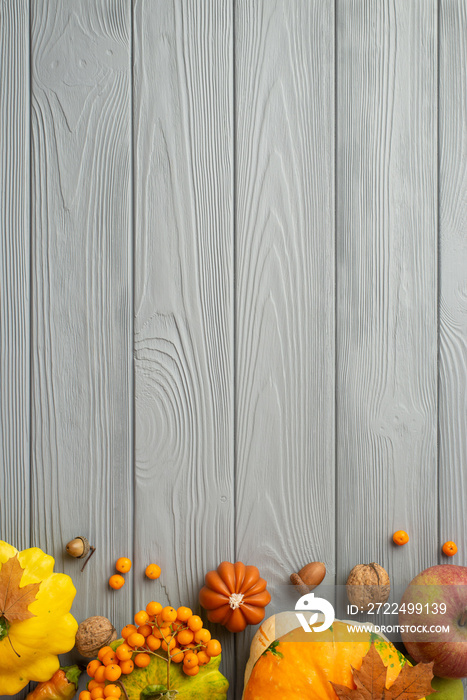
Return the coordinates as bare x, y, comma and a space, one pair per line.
387, 285
14, 274
82, 300
284, 289
453, 275
183, 298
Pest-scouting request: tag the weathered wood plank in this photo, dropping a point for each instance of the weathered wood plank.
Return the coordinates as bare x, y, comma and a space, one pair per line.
183, 297
14, 274
82, 299
453, 276
285, 289
387, 285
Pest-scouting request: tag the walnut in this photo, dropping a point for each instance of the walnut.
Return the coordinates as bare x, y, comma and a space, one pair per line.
94, 633
368, 584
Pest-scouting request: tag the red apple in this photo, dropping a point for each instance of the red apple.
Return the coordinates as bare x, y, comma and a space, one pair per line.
437, 598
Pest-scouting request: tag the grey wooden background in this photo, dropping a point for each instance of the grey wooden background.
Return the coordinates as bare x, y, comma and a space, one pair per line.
233, 288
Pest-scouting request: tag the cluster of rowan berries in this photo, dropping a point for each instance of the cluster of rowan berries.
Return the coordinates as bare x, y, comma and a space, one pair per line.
177, 632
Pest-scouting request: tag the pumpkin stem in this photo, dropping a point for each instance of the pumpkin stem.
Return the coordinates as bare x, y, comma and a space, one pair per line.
235, 600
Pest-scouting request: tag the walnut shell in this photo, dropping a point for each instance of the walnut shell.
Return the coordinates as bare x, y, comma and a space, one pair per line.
368, 584
94, 633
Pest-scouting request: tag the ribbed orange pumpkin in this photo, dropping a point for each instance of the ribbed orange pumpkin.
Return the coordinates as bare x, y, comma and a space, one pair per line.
299, 666
235, 595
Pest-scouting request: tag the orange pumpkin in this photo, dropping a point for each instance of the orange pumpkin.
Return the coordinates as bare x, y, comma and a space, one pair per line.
299, 666
235, 595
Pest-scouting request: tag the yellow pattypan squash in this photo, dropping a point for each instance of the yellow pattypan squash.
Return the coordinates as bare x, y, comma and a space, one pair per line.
29, 647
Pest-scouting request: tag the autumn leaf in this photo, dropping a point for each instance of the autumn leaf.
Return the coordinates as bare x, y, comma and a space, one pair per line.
14, 600
412, 683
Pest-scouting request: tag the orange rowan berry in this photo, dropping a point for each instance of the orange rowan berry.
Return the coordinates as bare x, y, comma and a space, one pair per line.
400, 537
113, 672
103, 651
84, 695
185, 637
123, 652
153, 571
172, 643
168, 614
153, 643
109, 658
213, 647
127, 630
92, 667
183, 613
123, 565
449, 549
141, 618
99, 675
191, 659
195, 623
97, 693
202, 636
191, 670
116, 582
112, 691
177, 656
162, 632
153, 608
145, 630
135, 640
127, 666
94, 684
203, 658
142, 660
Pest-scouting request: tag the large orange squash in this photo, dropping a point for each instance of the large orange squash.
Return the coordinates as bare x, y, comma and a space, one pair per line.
298, 665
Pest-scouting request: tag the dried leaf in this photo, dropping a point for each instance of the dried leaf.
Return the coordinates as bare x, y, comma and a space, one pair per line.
14, 600
412, 683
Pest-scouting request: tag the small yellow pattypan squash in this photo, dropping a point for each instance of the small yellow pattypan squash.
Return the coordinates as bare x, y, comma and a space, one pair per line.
35, 619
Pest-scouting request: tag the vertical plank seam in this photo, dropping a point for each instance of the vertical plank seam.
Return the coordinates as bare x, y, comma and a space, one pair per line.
31, 251
234, 309
234, 276
131, 268
438, 268
336, 300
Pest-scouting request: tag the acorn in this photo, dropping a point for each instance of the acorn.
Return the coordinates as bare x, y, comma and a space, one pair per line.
78, 547
309, 576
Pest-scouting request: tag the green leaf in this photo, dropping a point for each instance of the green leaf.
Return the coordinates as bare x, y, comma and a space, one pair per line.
72, 674
4, 627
